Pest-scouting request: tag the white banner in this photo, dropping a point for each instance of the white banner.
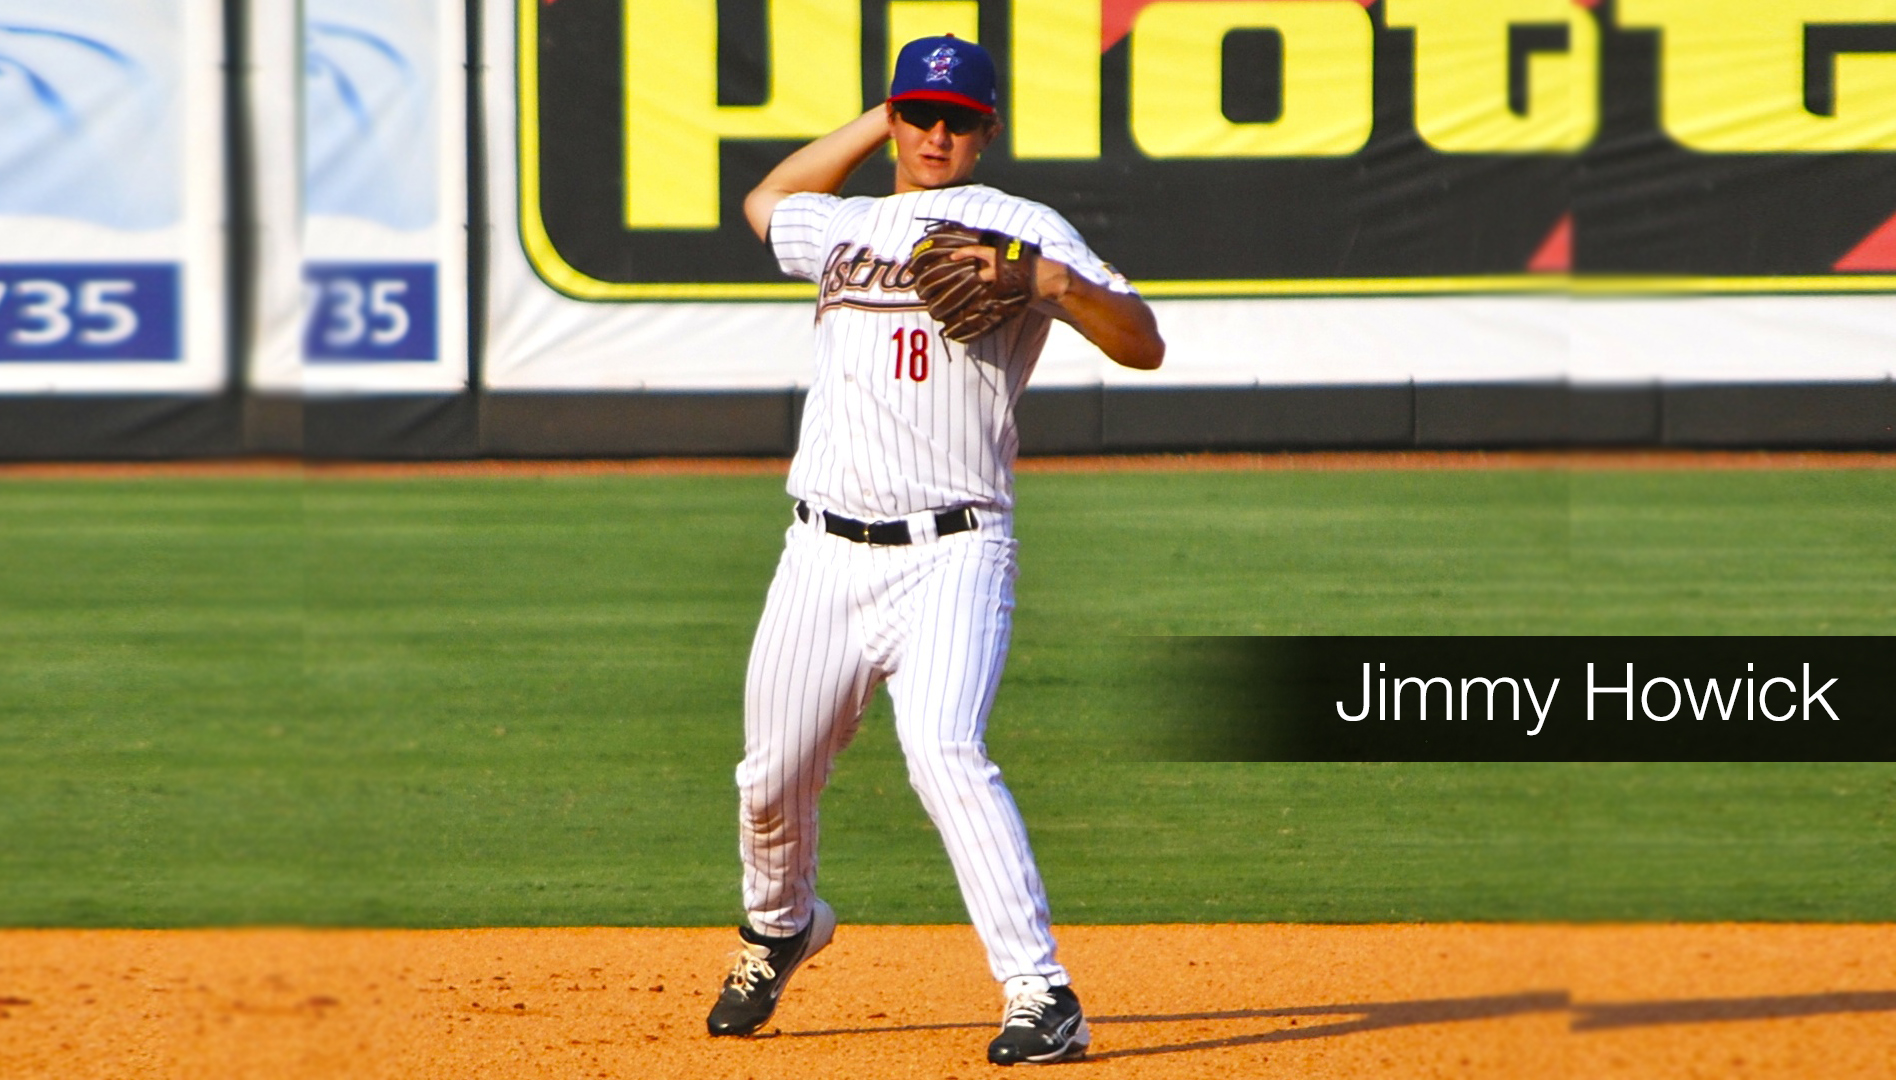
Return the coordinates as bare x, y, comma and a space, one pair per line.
270, 87
1734, 339
384, 243
112, 196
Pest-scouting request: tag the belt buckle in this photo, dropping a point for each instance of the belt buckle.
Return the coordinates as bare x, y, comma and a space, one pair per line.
950, 522
887, 533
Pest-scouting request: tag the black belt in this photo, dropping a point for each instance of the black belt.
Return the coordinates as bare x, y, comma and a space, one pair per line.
888, 533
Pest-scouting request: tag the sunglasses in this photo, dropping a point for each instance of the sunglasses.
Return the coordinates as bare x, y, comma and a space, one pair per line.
960, 119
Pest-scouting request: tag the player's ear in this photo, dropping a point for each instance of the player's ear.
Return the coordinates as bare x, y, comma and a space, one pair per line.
991, 129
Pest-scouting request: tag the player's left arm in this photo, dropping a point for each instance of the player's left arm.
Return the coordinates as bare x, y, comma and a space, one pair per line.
1120, 323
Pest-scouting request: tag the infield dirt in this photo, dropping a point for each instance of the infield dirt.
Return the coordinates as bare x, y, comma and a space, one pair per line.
1438, 1000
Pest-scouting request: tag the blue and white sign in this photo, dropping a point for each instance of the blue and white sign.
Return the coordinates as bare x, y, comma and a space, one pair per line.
384, 196
93, 132
76, 311
371, 129
371, 311
111, 196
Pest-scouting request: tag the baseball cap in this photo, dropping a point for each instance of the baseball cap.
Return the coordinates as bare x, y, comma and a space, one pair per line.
944, 69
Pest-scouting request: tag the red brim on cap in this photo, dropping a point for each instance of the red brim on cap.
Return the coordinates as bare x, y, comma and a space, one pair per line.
948, 96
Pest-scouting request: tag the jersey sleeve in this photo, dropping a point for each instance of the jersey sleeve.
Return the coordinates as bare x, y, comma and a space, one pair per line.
796, 232
1059, 240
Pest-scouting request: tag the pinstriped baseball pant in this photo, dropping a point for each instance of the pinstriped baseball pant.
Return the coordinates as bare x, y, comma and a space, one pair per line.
931, 619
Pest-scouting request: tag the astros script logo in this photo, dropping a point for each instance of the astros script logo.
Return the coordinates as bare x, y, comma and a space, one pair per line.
859, 279
941, 64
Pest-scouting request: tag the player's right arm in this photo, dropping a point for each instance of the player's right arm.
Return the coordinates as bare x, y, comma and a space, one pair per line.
820, 166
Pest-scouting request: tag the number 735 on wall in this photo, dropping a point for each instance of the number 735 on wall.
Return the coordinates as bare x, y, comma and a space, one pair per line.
83, 311
369, 311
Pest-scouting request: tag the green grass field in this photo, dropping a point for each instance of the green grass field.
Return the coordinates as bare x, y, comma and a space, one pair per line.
515, 701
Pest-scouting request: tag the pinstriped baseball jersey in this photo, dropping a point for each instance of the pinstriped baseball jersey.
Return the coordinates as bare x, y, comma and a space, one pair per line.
900, 423
900, 419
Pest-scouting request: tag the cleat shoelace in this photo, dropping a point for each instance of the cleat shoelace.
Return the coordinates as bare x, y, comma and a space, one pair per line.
748, 968
1024, 1010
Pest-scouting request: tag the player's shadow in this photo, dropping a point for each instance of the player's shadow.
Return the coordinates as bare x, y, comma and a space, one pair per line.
1588, 1016
1359, 1017
1603, 1016
1367, 1016
1382, 1015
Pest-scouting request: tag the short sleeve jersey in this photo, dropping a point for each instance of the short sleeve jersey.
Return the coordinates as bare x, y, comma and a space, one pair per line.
899, 419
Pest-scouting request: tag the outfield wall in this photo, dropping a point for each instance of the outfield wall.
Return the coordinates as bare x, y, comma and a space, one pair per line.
448, 228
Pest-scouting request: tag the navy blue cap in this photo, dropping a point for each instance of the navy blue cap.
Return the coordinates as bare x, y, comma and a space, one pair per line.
944, 69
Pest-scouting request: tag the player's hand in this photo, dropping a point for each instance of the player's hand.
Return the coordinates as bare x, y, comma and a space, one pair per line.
1051, 277
979, 252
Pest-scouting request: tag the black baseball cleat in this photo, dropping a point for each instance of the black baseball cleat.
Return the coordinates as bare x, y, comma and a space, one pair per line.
761, 970
1041, 1027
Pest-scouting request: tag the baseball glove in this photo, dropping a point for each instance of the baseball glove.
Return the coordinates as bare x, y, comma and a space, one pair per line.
952, 289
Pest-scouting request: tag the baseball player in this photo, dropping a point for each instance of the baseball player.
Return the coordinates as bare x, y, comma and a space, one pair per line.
899, 563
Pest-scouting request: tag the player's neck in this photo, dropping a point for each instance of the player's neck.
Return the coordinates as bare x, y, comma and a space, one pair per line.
903, 187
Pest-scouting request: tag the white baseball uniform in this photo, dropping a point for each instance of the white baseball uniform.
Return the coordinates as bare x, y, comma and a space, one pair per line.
900, 425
